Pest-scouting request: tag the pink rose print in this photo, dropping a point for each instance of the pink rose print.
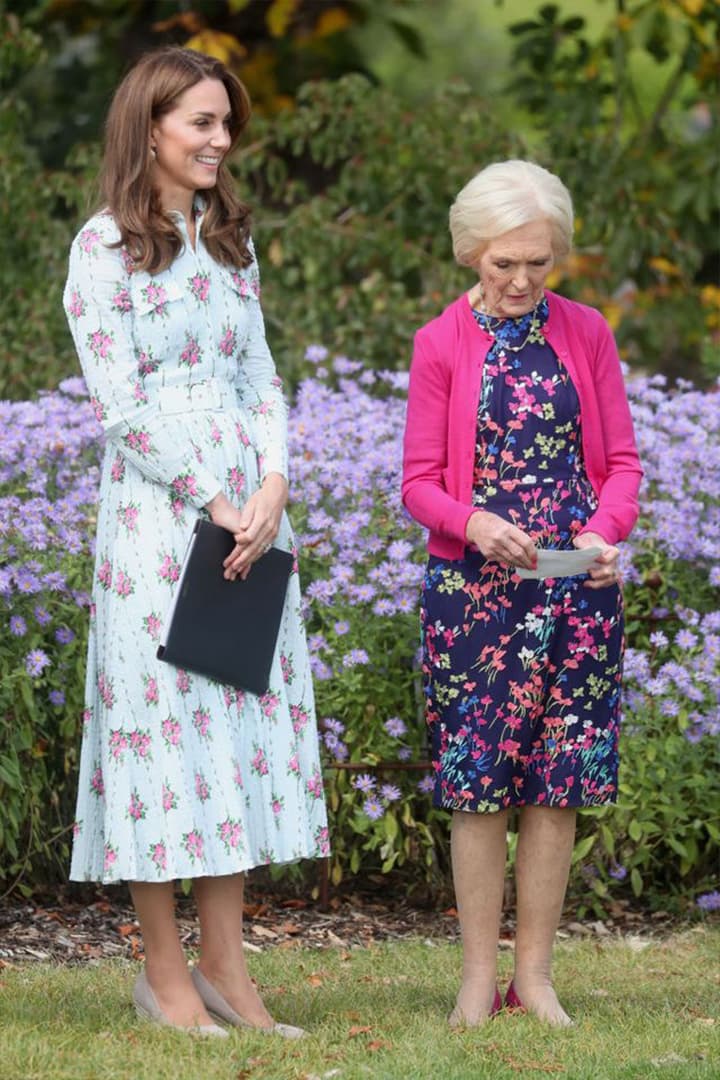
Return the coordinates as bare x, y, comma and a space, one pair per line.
169, 799
121, 301
236, 480
141, 743
286, 666
201, 722
259, 763
177, 509
87, 716
277, 805
98, 408
99, 344
202, 788
128, 516
237, 775
147, 363
127, 260
192, 353
240, 283
193, 844
185, 484
117, 471
293, 766
157, 297
169, 568
105, 689
139, 441
200, 287
183, 681
266, 855
230, 833
76, 307
242, 434
228, 342
152, 694
269, 703
136, 808
139, 394
216, 436
77, 829
322, 840
171, 731
152, 625
124, 584
97, 784
89, 240
110, 857
314, 785
105, 575
300, 718
158, 855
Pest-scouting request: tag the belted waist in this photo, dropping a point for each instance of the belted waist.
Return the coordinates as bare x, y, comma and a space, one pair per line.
210, 394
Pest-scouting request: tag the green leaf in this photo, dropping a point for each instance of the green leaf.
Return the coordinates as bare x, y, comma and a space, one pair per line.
636, 881
635, 830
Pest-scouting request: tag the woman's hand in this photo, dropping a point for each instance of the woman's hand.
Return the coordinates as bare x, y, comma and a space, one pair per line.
254, 527
500, 541
604, 571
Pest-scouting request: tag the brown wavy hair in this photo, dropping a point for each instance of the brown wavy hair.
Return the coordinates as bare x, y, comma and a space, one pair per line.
149, 91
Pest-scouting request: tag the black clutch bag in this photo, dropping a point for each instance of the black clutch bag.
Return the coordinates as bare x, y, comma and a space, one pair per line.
226, 630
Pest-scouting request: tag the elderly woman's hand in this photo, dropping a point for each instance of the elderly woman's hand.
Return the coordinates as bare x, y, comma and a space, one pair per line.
500, 541
604, 570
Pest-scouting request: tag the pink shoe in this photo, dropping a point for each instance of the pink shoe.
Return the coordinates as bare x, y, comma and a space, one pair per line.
512, 1001
497, 1003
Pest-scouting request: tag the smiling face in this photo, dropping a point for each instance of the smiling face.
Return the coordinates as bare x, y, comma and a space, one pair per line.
513, 268
190, 142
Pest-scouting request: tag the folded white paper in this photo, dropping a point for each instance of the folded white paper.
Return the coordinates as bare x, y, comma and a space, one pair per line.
554, 564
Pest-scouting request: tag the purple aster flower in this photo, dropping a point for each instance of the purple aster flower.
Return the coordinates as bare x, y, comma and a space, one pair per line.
395, 727
18, 626
709, 901
618, 872
364, 782
35, 662
316, 353
42, 616
685, 639
57, 697
373, 809
64, 635
426, 785
341, 627
355, 657
331, 724
658, 639
390, 792
714, 578
404, 753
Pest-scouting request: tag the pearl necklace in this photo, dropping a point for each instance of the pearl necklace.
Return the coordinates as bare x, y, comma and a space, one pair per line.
492, 330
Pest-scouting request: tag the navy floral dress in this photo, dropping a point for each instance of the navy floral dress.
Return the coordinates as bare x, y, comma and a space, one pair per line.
522, 678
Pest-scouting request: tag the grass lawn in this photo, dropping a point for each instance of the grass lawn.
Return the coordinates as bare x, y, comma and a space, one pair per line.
643, 1010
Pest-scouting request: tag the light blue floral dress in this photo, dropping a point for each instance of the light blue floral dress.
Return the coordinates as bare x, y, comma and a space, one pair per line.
180, 776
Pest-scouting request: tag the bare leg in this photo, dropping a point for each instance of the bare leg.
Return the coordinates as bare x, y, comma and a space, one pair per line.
478, 860
165, 965
222, 958
545, 845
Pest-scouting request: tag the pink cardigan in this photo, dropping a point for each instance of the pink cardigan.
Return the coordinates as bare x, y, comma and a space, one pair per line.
441, 424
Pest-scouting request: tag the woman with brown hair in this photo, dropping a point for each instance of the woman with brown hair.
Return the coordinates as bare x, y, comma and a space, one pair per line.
180, 776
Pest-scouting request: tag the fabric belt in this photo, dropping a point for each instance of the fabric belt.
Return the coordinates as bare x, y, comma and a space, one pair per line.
210, 394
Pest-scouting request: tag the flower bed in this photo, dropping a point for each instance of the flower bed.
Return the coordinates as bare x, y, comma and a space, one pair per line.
362, 561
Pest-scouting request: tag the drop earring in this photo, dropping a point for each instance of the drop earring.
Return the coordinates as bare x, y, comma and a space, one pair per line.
153, 153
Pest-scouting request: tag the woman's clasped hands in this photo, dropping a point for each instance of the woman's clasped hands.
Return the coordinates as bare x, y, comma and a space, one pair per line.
254, 528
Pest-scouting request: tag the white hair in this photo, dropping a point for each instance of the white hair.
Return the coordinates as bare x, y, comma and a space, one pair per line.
505, 196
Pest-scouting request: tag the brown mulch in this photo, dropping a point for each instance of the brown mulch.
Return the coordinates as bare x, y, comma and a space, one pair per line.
104, 926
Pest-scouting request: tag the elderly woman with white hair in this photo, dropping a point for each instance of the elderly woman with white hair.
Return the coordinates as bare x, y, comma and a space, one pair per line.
518, 441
